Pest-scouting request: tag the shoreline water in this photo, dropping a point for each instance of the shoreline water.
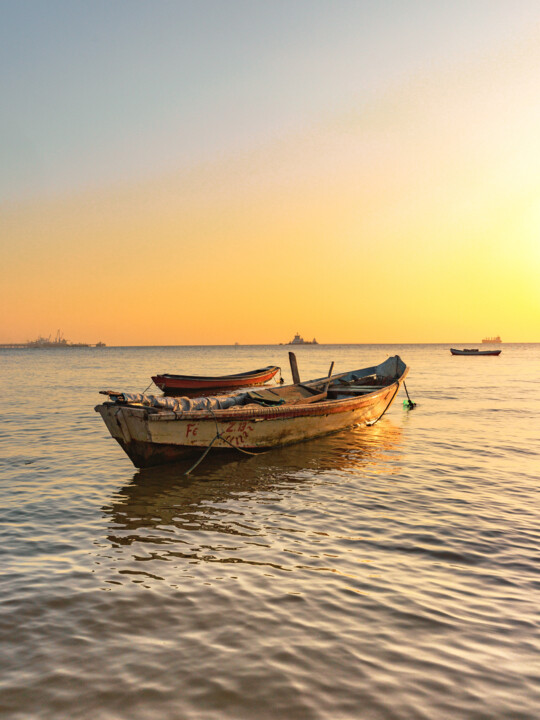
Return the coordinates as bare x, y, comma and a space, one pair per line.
401, 556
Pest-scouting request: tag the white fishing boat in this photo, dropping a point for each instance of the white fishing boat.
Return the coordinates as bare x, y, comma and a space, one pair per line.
155, 430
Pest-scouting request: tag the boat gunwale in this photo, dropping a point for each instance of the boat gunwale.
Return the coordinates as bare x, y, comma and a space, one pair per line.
250, 374
245, 412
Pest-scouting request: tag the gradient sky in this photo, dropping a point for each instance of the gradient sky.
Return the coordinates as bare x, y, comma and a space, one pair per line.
239, 170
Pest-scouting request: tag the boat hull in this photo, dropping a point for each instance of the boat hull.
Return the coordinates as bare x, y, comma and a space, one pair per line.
473, 353
176, 384
155, 438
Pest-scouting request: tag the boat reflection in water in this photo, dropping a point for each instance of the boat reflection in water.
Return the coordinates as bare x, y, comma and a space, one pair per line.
231, 509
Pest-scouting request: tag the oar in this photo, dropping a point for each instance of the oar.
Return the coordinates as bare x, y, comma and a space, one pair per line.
294, 368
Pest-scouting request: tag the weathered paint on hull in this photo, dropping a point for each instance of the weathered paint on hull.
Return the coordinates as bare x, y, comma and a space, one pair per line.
159, 438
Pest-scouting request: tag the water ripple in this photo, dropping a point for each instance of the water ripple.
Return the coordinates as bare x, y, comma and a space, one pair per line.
382, 573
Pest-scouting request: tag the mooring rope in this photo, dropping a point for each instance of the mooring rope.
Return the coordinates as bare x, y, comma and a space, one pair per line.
411, 404
205, 453
281, 381
369, 424
148, 388
219, 435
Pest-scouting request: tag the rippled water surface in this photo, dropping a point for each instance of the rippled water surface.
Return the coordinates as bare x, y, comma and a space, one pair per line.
385, 572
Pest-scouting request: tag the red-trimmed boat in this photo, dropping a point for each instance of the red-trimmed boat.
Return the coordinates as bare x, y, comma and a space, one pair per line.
178, 384
474, 352
157, 430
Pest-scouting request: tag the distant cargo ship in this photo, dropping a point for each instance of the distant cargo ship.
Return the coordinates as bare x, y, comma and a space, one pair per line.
58, 341
492, 339
298, 340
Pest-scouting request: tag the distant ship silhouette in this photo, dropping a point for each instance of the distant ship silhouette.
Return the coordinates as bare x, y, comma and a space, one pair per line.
299, 340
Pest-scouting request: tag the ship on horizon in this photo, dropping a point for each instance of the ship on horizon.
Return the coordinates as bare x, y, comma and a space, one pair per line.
496, 339
299, 340
58, 341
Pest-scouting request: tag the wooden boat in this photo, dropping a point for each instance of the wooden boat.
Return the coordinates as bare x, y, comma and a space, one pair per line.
177, 384
157, 430
473, 351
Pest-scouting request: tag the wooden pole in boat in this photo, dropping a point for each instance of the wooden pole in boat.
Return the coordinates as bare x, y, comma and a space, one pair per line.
325, 388
294, 368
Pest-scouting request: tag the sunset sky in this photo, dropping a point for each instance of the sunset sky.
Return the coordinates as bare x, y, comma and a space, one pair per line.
216, 171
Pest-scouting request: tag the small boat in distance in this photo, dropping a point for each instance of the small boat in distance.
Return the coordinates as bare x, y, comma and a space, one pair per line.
179, 384
157, 430
474, 351
299, 340
496, 339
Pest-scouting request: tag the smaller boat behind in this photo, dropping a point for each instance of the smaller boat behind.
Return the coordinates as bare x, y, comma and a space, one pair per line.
474, 351
181, 384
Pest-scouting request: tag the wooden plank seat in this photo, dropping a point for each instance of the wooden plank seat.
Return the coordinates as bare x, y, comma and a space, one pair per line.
291, 395
353, 390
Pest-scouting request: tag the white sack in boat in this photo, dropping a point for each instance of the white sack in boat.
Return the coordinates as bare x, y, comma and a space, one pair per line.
183, 404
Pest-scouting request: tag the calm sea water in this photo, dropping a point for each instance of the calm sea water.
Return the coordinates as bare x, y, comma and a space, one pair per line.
381, 573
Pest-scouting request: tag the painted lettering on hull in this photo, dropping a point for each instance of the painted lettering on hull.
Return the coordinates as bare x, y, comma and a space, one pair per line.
237, 432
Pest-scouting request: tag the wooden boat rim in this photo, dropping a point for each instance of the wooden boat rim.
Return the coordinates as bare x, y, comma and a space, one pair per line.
209, 378
246, 412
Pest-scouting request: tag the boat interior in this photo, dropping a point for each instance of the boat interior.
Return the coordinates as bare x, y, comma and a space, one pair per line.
331, 387
210, 378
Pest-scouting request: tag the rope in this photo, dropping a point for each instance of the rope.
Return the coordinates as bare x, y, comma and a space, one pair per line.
411, 404
369, 424
219, 435
247, 452
205, 453
281, 380
144, 391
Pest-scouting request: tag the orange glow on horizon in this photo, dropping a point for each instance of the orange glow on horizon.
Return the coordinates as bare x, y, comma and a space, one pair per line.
415, 220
